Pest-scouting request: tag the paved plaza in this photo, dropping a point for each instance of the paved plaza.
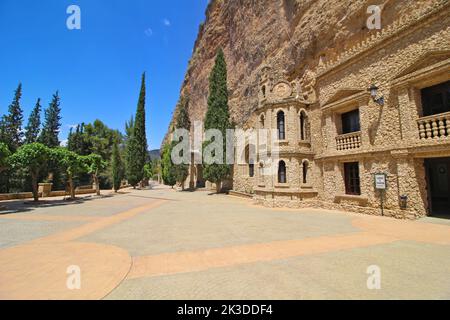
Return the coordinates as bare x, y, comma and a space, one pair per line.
164, 244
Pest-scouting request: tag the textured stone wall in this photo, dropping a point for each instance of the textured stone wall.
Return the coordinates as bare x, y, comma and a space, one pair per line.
289, 35
323, 53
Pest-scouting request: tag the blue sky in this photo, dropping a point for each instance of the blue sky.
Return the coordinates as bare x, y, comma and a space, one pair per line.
97, 69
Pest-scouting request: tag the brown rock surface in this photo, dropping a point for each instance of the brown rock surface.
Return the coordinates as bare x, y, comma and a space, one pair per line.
289, 35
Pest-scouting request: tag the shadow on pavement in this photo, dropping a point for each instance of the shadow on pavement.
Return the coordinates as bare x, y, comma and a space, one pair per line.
24, 205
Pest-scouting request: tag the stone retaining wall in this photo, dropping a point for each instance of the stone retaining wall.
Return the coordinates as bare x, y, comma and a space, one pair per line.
29, 195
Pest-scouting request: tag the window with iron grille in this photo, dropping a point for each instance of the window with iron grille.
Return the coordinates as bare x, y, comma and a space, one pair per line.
352, 183
436, 99
282, 172
350, 122
281, 125
251, 170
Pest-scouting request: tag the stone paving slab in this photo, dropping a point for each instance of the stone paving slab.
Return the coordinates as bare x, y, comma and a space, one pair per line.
154, 244
206, 222
332, 275
15, 232
40, 271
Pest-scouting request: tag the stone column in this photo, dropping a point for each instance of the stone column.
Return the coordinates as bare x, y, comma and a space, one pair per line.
365, 121
292, 128
408, 182
270, 125
408, 114
329, 133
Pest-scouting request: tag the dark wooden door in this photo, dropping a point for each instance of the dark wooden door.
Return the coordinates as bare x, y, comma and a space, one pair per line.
438, 174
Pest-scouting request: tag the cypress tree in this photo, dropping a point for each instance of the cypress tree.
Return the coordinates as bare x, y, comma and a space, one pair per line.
167, 167
140, 133
34, 124
116, 164
11, 124
136, 155
132, 169
218, 117
182, 122
52, 123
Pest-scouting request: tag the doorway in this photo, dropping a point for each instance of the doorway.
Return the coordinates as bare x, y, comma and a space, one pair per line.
200, 181
438, 178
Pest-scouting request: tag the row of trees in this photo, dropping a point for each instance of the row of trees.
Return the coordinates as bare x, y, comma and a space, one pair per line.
102, 154
36, 157
13, 135
217, 117
11, 132
94, 152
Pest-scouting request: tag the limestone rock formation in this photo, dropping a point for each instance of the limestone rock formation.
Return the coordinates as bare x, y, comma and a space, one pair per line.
292, 36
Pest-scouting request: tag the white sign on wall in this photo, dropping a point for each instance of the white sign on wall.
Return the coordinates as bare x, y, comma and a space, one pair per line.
380, 181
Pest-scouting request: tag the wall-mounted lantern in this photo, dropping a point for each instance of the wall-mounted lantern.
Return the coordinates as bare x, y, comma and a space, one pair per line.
403, 202
374, 94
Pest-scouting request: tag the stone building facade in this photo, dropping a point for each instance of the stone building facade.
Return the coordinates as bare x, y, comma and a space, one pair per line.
380, 108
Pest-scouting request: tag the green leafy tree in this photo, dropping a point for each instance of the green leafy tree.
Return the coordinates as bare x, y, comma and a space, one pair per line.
99, 139
4, 154
167, 167
116, 163
52, 123
79, 141
148, 171
71, 163
32, 157
34, 124
95, 164
129, 128
218, 117
155, 169
11, 124
95, 138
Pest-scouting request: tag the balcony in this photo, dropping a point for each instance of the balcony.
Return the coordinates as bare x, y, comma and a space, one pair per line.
348, 141
436, 126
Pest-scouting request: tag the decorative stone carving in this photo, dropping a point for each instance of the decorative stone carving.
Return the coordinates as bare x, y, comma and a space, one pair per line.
282, 90
307, 85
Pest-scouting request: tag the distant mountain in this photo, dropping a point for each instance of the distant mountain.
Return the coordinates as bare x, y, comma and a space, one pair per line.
154, 154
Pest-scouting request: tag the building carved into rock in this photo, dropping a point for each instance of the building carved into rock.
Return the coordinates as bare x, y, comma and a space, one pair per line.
334, 136
380, 108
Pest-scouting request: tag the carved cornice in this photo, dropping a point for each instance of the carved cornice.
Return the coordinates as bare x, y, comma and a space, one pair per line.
358, 98
406, 24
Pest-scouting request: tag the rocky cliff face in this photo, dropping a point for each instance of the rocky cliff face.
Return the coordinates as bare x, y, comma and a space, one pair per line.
292, 36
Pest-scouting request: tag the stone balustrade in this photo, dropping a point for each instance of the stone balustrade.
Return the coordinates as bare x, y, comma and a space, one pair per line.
434, 127
348, 141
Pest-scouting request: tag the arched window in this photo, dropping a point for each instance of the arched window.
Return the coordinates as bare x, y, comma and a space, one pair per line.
251, 170
250, 159
303, 126
305, 165
263, 91
282, 172
262, 121
281, 126
261, 172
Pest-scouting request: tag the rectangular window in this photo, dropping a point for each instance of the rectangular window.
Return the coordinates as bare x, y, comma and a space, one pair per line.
350, 122
436, 99
351, 173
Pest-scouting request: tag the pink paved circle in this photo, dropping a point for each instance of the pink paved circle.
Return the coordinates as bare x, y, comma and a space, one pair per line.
39, 271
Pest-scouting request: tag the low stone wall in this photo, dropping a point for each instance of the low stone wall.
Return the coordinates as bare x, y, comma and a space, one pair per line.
13, 196
318, 204
240, 194
29, 195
